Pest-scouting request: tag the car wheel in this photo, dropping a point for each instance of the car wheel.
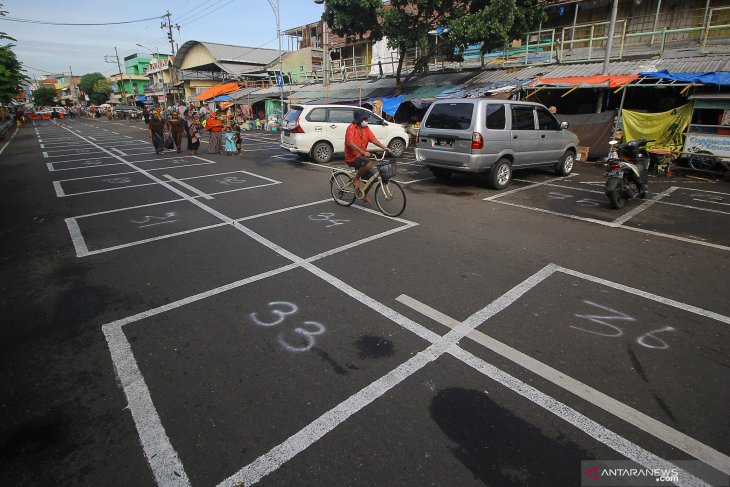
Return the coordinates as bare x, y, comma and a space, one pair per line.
440, 174
322, 152
397, 147
565, 165
500, 175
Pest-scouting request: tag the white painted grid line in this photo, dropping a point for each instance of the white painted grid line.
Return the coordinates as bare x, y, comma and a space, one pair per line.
59, 190
598, 432
8, 142
76, 237
632, 416
533, 185
644, 206
188, 187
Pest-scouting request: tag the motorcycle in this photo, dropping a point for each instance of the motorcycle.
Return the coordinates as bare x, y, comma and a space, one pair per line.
626, 172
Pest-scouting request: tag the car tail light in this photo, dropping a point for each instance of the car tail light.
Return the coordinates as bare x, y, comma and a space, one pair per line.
614, 165
298, 129
477, 141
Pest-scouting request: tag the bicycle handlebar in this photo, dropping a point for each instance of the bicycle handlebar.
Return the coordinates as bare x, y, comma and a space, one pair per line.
374, 156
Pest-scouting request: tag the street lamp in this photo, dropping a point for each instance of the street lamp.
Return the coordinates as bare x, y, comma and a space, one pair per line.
325, 50
280, 78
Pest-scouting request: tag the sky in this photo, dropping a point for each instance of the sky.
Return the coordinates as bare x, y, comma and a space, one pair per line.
45, 49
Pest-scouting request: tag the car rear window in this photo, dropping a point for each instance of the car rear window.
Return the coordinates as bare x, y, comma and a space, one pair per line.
455, 116
293, 114
496, 118
317, 115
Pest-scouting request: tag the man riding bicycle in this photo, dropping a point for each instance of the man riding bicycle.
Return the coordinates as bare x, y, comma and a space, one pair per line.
357, 137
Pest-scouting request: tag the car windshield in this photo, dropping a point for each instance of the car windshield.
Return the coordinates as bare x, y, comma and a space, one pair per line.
455, 116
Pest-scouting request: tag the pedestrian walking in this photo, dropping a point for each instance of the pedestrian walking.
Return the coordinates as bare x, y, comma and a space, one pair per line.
56, 118
230, 141
175, 126
156, 129
194, 129
237, 132
214, 128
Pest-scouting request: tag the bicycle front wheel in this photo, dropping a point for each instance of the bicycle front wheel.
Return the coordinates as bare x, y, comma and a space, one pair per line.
342, 189
390, 198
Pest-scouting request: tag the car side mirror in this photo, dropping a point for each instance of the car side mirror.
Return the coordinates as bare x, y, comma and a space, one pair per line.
385, 124
564, 125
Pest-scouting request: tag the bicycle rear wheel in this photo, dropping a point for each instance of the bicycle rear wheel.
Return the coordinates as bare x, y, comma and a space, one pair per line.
390, 198
342, 189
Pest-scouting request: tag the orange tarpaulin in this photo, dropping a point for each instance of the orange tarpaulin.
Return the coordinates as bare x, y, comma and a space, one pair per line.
216, 90
610, 81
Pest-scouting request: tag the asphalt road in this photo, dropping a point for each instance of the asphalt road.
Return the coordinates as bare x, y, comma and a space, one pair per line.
215, 320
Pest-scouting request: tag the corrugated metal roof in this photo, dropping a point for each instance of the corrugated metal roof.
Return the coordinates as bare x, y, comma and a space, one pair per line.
229, 54
678, 65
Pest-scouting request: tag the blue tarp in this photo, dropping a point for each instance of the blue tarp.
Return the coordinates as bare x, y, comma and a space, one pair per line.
221, 98
391, 104
141, 98
719, 78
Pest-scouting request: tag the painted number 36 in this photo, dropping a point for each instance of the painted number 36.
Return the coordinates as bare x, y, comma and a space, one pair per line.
277, 314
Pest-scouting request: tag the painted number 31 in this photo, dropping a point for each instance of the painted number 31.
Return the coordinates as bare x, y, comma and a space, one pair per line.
277, 314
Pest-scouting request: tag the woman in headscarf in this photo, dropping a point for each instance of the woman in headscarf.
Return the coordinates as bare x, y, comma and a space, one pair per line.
175, 130
214, 127
194, 129
157, 128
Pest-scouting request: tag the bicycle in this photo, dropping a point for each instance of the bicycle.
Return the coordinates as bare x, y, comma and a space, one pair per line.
389, 195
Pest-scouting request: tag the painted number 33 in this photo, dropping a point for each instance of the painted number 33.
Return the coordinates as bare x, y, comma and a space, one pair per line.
277, 314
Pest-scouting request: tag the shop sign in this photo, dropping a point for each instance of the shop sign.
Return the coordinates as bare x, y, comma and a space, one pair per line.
712, 104
718, 145
161, 99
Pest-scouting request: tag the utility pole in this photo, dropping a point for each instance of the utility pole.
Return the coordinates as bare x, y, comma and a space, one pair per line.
121, 73
167, 24
73, 84
607, 57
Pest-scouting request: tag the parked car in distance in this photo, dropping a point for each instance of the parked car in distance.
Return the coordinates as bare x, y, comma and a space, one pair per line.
491, 138
318, 131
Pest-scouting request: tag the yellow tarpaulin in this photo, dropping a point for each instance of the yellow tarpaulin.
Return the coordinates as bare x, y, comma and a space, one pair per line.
664, 128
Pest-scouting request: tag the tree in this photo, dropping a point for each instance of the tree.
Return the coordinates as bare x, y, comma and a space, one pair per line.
11, 70
495, 22
405, 23
101, 91
44, 95
11, 75
96, 86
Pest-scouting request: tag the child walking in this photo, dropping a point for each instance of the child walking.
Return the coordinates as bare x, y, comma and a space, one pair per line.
230, 141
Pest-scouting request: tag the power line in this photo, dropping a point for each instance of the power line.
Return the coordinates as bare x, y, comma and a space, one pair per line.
29, 21
205, 15
192, 11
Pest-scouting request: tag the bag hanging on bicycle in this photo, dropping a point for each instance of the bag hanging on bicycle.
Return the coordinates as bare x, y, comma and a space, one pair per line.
387, 170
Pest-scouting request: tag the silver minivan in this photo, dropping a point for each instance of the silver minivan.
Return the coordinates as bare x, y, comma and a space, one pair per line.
492, 137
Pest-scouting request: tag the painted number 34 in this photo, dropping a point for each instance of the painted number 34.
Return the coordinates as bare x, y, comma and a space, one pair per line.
302, 336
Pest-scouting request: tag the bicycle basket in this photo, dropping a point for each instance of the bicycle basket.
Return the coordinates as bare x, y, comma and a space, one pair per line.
387, 170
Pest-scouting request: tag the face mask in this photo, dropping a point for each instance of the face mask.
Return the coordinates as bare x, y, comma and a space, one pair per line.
364, 123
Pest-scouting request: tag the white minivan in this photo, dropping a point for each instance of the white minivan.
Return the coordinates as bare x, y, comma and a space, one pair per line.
318, 131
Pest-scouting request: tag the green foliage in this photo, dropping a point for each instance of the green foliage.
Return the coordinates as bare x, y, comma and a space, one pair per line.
353, 18
87, 81
44, 95
496, 22
96, 86
11, 74
404, 22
